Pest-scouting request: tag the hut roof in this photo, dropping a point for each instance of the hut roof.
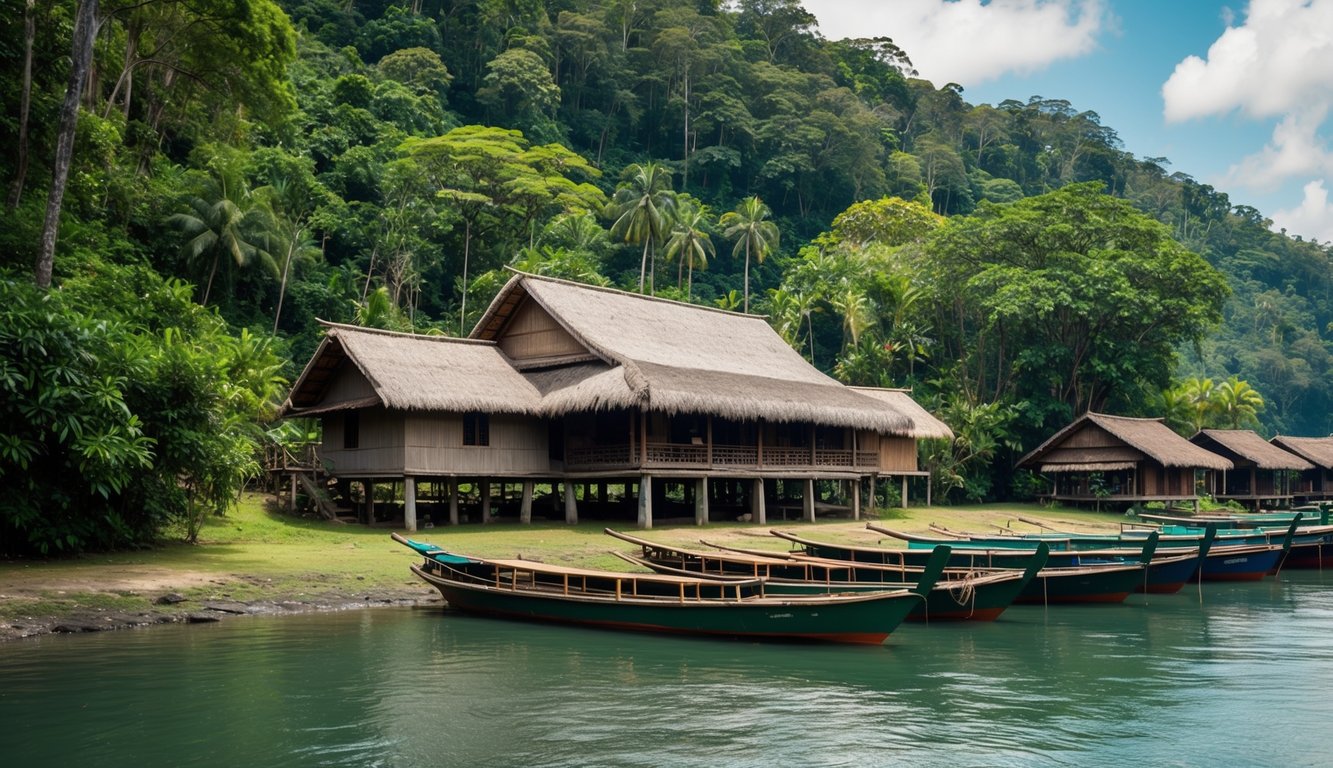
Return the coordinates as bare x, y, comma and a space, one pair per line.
1317, 450
1248, 445
416, 372
1150, 437
927, 426
679, 357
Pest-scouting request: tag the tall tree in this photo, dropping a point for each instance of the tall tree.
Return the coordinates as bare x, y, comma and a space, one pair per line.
643, 208
86, 23
690, 244
755, 235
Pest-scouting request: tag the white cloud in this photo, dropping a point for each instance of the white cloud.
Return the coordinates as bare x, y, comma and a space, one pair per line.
965, 41
1279, 61
1312, 219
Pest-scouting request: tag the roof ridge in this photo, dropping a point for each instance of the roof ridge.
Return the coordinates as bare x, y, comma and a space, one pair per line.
403, 334
632, 295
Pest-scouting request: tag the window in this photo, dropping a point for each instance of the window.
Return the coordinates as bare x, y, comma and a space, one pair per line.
351, 429
476, 429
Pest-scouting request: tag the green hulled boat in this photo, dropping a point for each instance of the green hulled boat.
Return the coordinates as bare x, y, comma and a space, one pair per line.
521, 589
958, 595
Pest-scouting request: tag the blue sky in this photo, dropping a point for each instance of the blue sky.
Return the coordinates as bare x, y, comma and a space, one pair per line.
1236, 94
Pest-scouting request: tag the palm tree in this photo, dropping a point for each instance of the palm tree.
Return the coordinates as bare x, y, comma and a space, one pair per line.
1238, 402
642, 208
690, 243
858, 312
1201, 394
224, 221
748, 225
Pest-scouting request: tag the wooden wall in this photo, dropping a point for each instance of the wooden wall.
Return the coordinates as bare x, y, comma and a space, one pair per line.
347, 384
379, 448
897, 454
532, 333
434, 446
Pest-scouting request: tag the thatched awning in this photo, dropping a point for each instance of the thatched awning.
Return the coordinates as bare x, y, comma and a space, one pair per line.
924, 424
1316, 450
1106, 466
1151, 437
1245, 444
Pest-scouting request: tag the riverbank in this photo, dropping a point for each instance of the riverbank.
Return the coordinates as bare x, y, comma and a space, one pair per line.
257, 561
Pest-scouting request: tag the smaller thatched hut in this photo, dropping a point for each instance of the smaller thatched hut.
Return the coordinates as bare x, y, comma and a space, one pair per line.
1102, 458
1317, 481
1262, 472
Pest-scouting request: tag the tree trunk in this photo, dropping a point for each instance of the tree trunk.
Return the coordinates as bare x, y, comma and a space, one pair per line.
85, 31
643, 266
467, 246
21, 165
747, 278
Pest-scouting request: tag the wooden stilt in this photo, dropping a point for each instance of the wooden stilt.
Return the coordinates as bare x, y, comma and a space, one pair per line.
904, 496
646, 501
369, 487
571, 504
453, 501
410, 503
808, 500
525, 506
758, 513
856, 499
874, 502
485, 501
701, 501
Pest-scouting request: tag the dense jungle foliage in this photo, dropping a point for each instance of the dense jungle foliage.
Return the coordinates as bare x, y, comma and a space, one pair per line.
225, 172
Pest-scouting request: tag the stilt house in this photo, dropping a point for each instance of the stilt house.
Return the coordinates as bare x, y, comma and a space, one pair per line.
591, 390
1262, 471
1317, 482
1102, 458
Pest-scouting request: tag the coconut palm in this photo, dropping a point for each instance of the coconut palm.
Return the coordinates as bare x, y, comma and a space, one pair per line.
690, 243
1238, 403
642, 208
754, 234
1201, 394
224, 220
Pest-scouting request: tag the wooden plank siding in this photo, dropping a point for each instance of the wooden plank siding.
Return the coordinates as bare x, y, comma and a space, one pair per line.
533, 334
379, 449
434, 446
348, 384
897, 454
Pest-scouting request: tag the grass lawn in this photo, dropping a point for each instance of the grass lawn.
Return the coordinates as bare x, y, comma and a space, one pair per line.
257, 554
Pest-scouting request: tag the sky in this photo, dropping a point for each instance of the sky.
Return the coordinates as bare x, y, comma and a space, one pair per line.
1235, 94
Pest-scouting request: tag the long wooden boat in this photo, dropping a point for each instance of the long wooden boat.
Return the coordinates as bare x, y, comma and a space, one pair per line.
1169, 571
1169, 536
1240, 519
1229, 562
523, 589
1093, 583
977, 595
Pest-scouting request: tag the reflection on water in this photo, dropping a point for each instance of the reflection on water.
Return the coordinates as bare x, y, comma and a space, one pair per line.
1240, 680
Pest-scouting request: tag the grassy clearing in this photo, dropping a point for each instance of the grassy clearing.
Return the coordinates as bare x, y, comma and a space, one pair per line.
256, 553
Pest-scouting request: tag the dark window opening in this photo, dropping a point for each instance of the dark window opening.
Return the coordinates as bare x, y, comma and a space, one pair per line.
351, 429
476, 429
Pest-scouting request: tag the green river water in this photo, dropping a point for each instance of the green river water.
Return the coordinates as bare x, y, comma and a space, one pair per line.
1243, 679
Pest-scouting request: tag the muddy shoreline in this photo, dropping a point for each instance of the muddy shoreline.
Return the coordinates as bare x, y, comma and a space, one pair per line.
174, 608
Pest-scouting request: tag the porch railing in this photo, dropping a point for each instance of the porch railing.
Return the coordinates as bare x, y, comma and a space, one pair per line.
690, 456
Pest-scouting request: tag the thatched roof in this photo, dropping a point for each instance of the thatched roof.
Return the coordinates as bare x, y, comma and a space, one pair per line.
1316, 450
926, 425
684, 358
1138, 438
1245, 444
414, 373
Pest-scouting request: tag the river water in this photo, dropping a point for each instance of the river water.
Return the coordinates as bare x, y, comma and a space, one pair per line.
1242, 679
